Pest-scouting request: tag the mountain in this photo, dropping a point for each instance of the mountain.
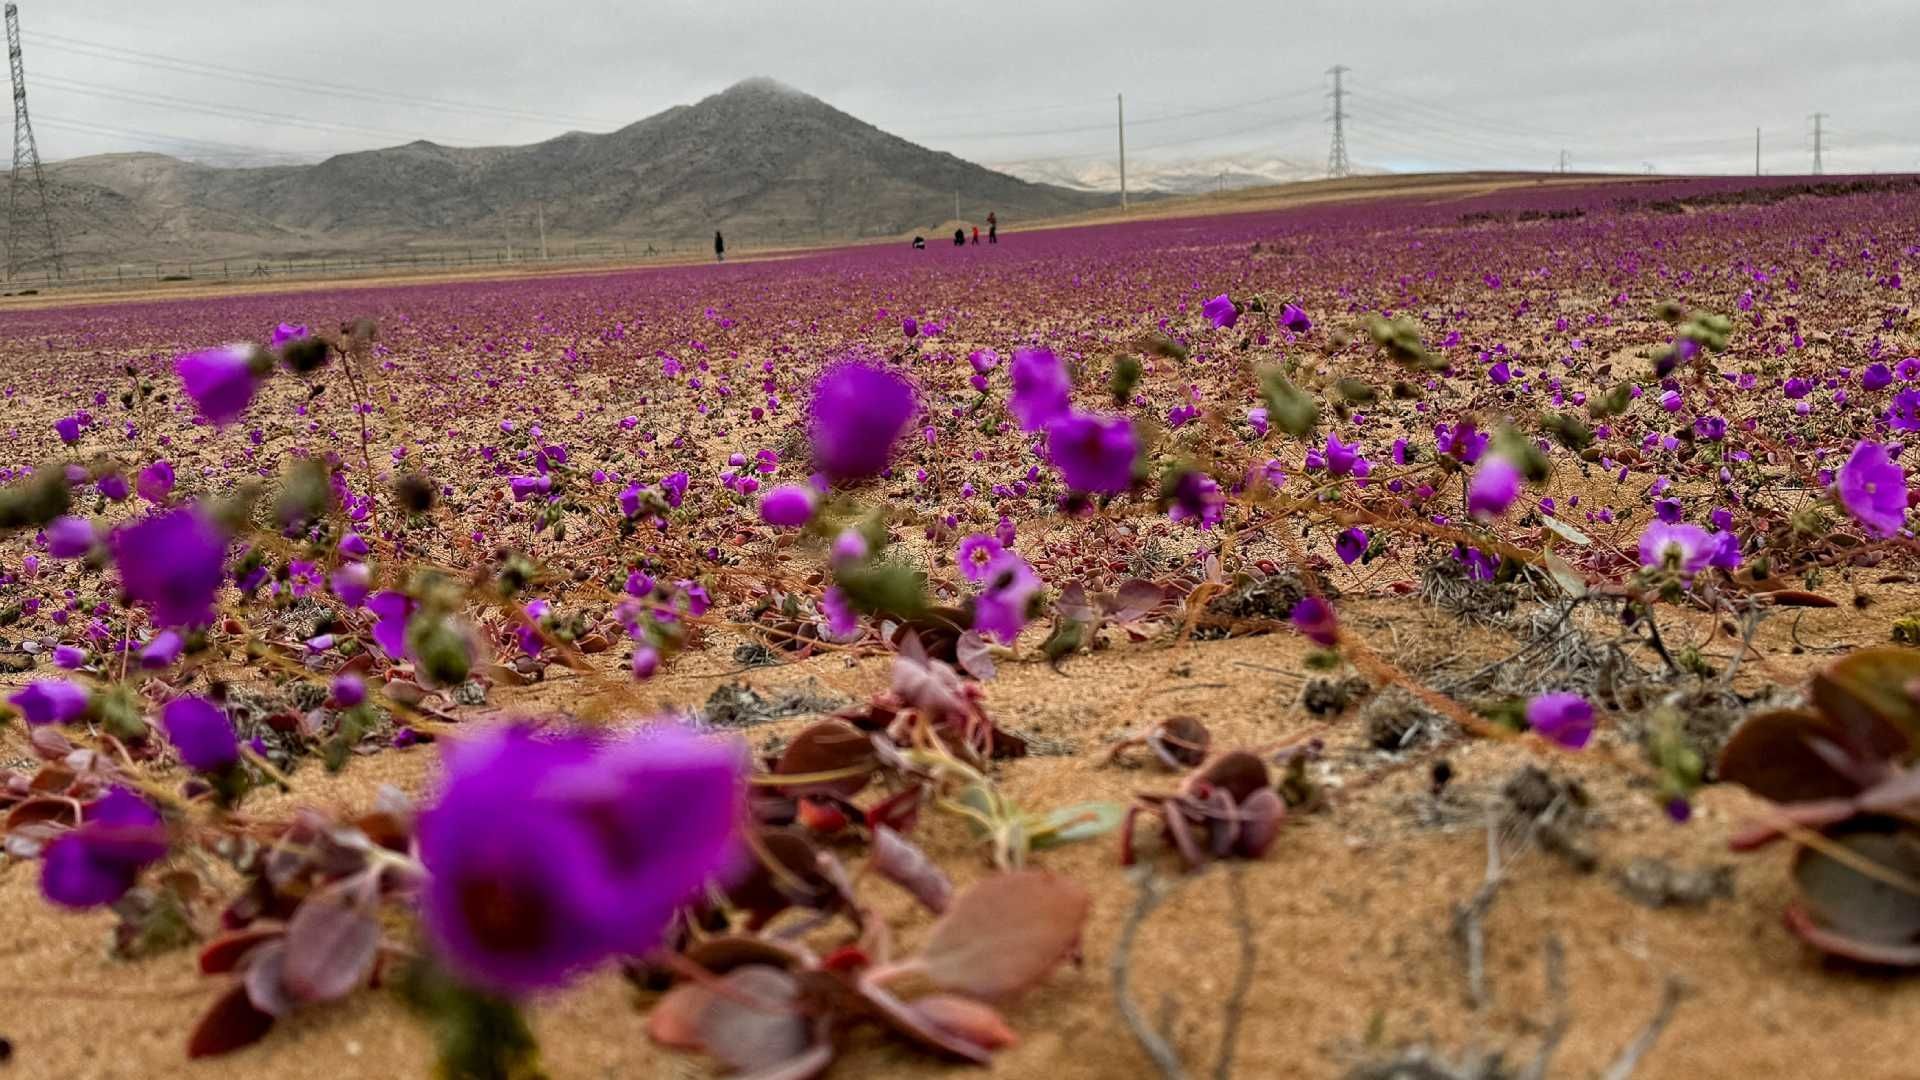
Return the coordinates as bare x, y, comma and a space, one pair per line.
1195, 176
761, 161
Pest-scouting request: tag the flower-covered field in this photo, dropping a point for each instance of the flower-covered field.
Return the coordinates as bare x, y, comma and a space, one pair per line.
1291, 644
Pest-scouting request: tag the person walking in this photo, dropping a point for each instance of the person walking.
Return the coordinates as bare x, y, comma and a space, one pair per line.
993, 228
976, 236
719, 247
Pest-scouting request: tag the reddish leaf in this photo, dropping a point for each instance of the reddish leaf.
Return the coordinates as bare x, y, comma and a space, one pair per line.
1865, 692
975, 656
230, 1024
898, 860
1851, 904
331, 945
767, 1033
970, 1019
48, 743
265, 979
1797, 598
1180, 742
674, 1020
898, 811
1135, 599
1866, 952
1004, 933
909, 1020
1771, 754
42, 811
1073, 604
224, 953
1260, 818
829, 746
1808, 815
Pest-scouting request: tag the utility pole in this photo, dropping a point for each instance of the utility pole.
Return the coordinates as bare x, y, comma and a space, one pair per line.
1120, 108
1337, 164
26, 170
1563, 161
1756, 151
540, 212
1818, 119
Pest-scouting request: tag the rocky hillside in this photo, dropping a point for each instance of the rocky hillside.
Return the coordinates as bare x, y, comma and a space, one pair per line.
761, 161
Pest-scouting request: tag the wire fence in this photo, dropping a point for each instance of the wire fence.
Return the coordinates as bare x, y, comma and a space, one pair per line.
399, 263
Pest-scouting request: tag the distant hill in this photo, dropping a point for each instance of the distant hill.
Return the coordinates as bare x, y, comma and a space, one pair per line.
761, 161
1185, 176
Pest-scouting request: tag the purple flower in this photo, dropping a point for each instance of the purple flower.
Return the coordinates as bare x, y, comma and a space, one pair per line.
96, 863
162, 651
646, 661
1257, 419
1904, 412
1341, 456
1876, 377
604, 842
173, 563
1220, 312
976, 553
1679, 547
201, 732
113, 486
286, 332
1313, 617
1494, 486
220, 381
49, 701
983, 360
1295, 319
1040, 388
351, 583
68, 658
1350, 545
70, 537
155, 482
1874, 489
857, 414
526, 487
1001, 608
348, 690
391, 610
674, 487
1563, 718
1196, 497
788, 506
1093, 453
68, 428
910, 327
843, 621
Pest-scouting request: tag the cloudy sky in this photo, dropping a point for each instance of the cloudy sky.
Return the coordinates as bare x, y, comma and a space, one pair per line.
1678, 85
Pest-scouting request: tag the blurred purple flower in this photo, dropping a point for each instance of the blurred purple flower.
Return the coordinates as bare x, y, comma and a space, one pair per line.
96, 863
173, 564
155, 482
788, 507
1002, 606
1563, 718
162, 651
1314, 618
1494, 486
201, 732
857, 414
70, 537
1041, 388
1093, 453
220, 381
604, 842
49, 701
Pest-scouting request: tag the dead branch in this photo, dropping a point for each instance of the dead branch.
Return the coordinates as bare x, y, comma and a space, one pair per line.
1671, 994
1154, 1043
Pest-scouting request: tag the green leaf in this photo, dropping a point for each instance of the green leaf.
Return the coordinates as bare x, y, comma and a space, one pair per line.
1567, 532
1072, 824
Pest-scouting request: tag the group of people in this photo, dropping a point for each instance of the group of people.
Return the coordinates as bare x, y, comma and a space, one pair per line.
919, 242
960, 234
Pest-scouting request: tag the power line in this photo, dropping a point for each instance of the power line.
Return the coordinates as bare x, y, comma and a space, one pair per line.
211, 108
119, 54
1078, 129
203, 148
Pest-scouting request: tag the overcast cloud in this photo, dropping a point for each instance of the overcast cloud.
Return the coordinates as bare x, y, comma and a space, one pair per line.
1679, 85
